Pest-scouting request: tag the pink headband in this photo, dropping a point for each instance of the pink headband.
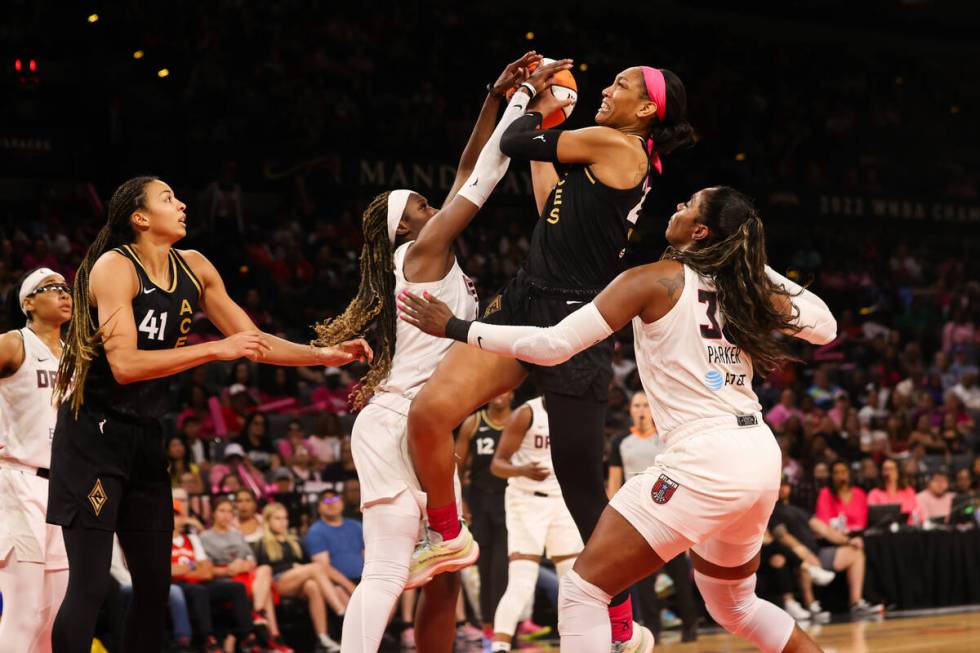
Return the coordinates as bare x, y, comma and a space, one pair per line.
657, 92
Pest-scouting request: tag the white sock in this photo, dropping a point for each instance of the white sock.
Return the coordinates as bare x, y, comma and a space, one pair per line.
390, 531
583, 615
499, 646
521, 578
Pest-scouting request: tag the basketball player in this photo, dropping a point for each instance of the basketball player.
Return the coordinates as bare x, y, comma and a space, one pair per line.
702, 321
475, 447
537, 519
408, 244
33, 564
588, 185
134, 299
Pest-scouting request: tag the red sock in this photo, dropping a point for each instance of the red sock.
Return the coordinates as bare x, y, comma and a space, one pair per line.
621, 620
444, 520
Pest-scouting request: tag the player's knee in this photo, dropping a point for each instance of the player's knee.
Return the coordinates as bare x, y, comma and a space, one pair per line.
431, 415
386, 575
737, 609
522, 575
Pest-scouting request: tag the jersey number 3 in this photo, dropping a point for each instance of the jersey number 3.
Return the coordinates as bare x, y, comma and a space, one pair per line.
153, 328
710, 331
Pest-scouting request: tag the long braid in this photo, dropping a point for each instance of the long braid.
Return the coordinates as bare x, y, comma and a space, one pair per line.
375, 301
735, 260
84, 341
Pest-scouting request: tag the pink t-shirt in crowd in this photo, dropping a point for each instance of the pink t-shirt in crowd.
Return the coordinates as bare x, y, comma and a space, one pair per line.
855, 512
933, 506
779, 413
905, 498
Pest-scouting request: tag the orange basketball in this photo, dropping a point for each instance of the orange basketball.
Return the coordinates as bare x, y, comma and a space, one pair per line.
564, 88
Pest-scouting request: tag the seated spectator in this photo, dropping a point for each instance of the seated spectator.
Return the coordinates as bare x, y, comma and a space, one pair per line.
798, 531
242, 374
303, 466
873, 408
822, 391
925, 434
283, 481
953, 407
237, 463
295, 437
248, 521
294, 575
936, 500
179, 458
868, 473
324, 443
336, 542
351, 492
279, 385
344, 469
194, 439
179, 618
198, 409
192, 571
782, 411
232, 558
894, 488
842, 506
255, 440
952, 435
968, 391
191, 483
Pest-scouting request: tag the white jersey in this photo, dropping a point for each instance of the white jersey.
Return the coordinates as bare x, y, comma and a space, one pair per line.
689, 369
416, 353
536, 447
27, 412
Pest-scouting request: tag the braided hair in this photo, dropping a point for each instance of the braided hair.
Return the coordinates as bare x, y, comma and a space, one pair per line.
733, 256
83, 341
374, 302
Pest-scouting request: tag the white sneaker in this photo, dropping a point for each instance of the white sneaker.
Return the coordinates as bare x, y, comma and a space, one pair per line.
433, 556
864, 609
640, 642
796, 610
820, 575
818, 613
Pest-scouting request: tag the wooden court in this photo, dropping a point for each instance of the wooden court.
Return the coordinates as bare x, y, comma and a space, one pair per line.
945, 633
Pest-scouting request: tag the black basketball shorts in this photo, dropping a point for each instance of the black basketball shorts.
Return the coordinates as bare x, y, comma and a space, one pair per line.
526, 301
108, 472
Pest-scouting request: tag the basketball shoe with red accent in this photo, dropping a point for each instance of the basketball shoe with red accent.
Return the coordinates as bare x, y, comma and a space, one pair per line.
433, 556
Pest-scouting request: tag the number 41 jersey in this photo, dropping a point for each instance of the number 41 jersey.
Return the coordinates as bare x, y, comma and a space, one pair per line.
163, 319
688, 367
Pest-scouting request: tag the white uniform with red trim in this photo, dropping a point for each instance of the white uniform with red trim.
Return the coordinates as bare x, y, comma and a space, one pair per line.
379, 440
718, 478
27, 419
537, 518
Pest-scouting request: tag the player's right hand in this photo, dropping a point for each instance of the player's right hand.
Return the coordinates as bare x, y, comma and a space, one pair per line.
543, 75
244, 344
535, 471
426, 313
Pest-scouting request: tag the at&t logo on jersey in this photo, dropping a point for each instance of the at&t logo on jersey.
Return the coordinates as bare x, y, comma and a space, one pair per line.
714, 380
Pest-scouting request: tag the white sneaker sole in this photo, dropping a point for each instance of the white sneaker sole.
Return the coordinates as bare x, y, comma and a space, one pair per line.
445, 566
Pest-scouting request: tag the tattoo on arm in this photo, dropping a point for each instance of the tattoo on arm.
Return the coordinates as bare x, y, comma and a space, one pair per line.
672, 284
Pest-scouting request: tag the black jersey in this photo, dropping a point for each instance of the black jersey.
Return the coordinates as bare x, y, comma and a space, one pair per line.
483, 445
163, 319
580, 238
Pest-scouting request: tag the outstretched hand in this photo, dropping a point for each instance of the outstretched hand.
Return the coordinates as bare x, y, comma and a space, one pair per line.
346, 352
425, 313
515, 73
544, 75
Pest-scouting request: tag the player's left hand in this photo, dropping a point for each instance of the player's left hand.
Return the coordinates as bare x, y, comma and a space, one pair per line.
515, 73
346, 352
425, 313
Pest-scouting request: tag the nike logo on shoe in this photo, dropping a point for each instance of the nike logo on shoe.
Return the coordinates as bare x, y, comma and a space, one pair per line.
541, 136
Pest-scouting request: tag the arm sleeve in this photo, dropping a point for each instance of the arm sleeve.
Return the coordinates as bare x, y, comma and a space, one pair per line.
491, 165
524, 140
543, 346
819, 325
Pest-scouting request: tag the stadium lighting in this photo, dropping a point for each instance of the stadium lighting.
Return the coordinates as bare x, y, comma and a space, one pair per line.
93, 18
583, 67
138, 54
163, 72
529, 36
740, 156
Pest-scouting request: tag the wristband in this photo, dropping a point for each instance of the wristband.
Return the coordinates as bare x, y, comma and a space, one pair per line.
458, 329
491, 92
527, 86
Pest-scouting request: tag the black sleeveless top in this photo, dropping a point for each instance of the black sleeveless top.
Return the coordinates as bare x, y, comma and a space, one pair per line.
580, 238
483, 445
163, 320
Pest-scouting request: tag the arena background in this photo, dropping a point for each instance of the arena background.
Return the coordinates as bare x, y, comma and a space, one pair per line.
852, 124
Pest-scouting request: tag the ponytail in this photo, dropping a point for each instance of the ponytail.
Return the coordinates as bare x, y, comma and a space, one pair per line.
674, 132
84, 340
375, 300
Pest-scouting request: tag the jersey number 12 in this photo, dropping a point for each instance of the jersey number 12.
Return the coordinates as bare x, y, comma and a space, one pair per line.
484, 446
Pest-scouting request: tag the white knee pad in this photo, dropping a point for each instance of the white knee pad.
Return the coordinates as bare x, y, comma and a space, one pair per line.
522, 575
734, 605
583, 615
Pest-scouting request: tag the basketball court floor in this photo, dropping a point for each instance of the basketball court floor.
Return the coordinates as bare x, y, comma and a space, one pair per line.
918, 632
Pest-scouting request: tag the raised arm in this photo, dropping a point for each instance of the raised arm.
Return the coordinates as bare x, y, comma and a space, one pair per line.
231, 319
812, 314
511, 77
510, 441
648, 291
